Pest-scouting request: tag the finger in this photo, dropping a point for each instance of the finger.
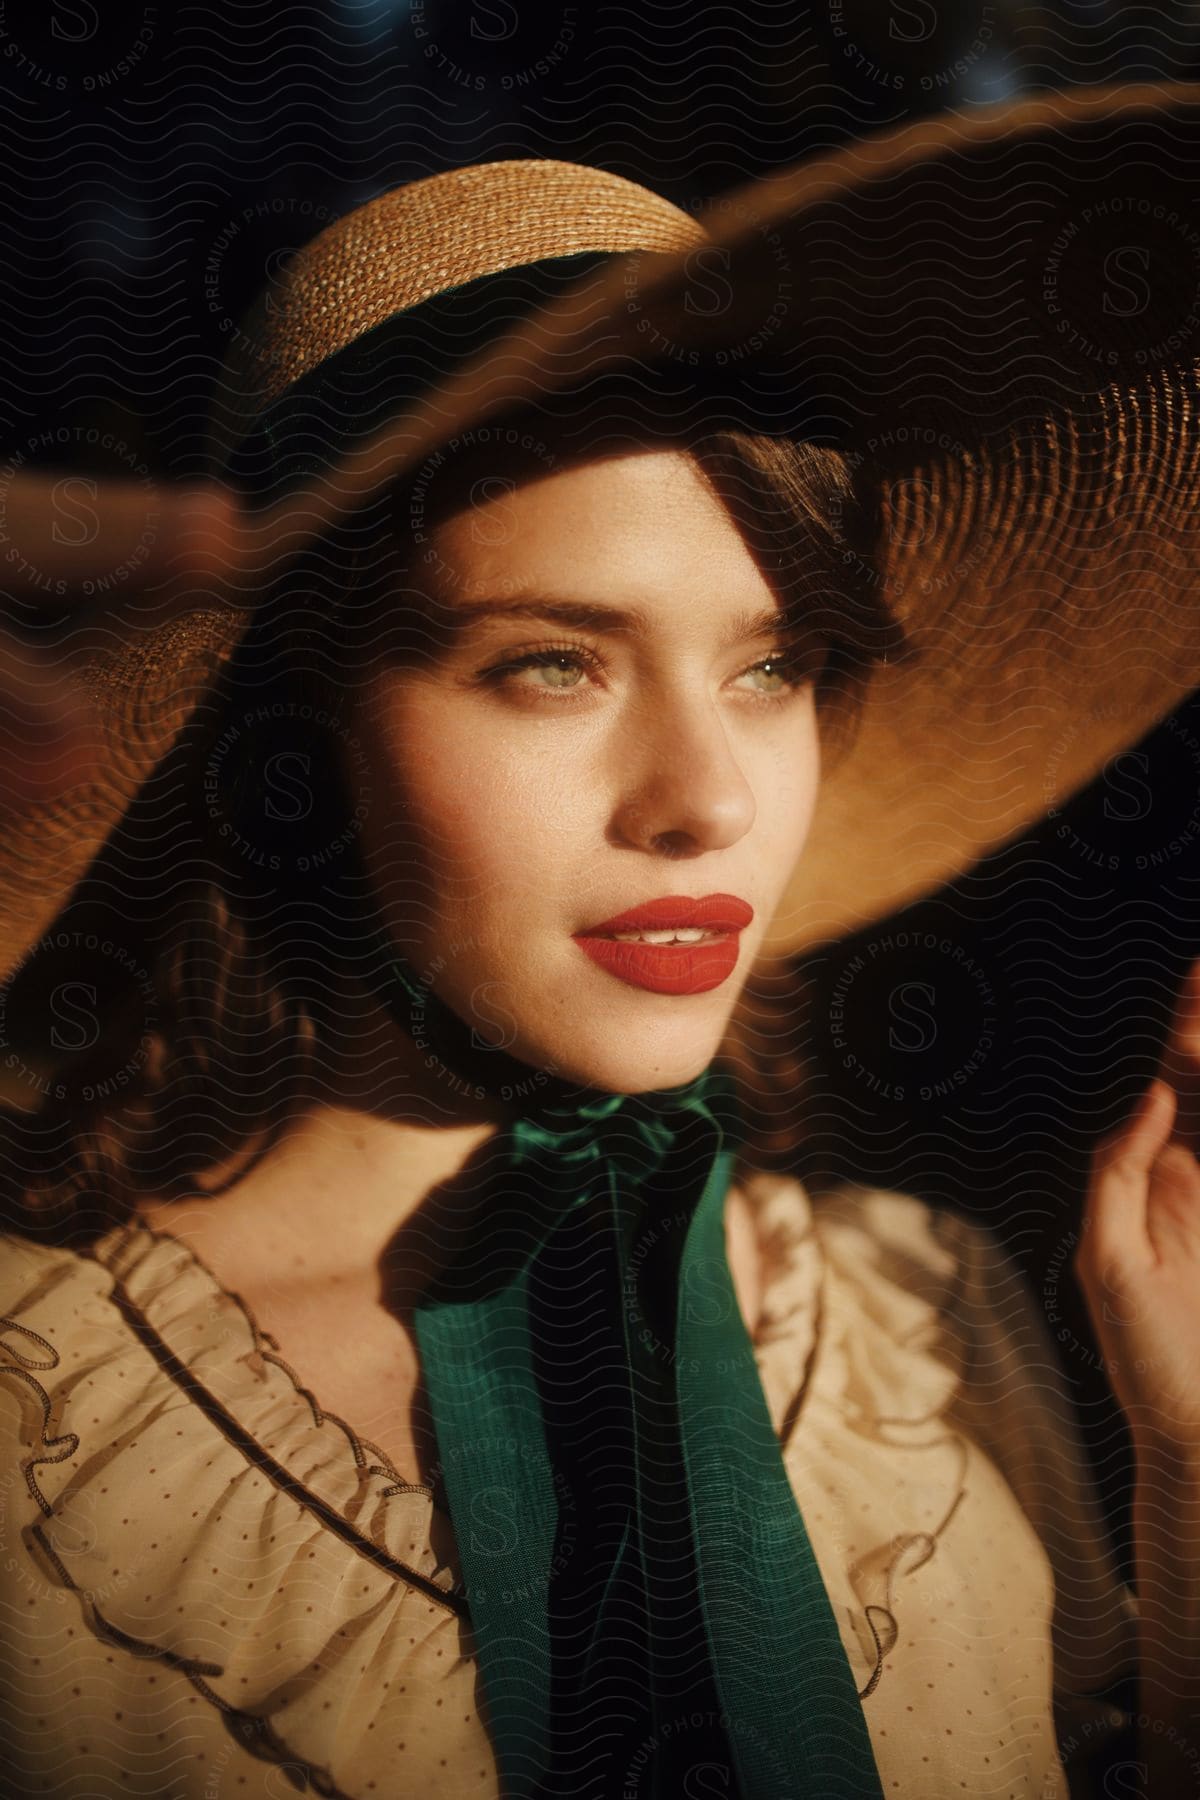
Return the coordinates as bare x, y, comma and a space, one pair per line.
1180, 1065
1173, 1213
1115, 1231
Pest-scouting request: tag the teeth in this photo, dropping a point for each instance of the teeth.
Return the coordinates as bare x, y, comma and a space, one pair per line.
691, 934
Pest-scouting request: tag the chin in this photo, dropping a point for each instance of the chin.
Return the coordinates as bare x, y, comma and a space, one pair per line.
628, 1073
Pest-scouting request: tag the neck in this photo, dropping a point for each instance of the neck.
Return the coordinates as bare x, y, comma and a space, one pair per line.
394, 1124
340, 1194
378, 1134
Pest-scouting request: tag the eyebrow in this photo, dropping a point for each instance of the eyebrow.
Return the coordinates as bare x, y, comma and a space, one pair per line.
596, 616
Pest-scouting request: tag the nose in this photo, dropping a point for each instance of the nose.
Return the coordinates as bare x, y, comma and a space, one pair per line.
683, 789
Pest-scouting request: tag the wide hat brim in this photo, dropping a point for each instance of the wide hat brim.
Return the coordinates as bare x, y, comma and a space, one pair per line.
997, 316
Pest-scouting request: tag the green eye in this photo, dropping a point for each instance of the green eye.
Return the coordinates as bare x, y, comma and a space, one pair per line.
784, 672
564, 675
776, 669
787, 672
561, 664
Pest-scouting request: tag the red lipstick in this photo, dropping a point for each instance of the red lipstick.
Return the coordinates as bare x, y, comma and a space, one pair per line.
690, 966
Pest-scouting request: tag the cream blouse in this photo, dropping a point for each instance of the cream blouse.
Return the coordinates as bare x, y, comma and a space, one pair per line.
213, 1588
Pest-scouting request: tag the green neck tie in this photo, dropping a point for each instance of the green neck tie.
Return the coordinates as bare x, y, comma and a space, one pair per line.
647, 1611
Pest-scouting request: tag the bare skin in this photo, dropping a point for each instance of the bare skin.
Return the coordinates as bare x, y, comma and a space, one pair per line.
337, 1305
507, 814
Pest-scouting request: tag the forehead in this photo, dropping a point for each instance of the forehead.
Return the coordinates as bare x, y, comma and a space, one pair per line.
628, 523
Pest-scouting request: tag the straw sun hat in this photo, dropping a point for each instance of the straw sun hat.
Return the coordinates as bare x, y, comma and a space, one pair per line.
995, 316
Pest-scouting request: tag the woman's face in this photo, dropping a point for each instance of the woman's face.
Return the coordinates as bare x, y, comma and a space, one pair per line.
591, 730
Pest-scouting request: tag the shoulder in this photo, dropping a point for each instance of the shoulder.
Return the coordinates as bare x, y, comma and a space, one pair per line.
883, 1237
58, 1328
922, 1272
143, 1420
859, 1299
46, 1288
23, 1258
931, 1293
925, 1314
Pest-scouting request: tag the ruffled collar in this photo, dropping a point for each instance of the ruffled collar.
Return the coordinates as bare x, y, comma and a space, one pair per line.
207, 1338
869, 1364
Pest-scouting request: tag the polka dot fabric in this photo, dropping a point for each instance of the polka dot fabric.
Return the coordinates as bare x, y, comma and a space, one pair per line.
212, 1588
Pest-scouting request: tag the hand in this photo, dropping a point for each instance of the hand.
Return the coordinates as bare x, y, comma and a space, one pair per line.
1138, 1260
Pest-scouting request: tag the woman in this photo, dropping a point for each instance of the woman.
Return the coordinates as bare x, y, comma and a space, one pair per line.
413, 1127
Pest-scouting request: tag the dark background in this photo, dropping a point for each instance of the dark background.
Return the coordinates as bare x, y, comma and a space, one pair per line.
161, 162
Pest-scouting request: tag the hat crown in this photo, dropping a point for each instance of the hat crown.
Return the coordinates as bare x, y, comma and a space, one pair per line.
413, 242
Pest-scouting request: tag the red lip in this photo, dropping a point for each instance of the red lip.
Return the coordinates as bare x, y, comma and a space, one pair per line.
671, 968
713, 912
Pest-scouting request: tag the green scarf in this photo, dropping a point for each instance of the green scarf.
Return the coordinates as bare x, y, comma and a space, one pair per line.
647, 1611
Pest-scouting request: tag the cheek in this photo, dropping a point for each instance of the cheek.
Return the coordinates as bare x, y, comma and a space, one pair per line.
486, 814
787, 780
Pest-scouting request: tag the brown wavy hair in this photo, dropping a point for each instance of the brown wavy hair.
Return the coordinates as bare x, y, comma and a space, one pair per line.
183, 975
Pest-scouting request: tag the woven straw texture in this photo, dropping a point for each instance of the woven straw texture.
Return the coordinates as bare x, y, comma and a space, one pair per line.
943, 293
432, 235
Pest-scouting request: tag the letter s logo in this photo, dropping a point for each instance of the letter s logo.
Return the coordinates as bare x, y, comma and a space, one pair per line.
72, 1528
910, 519
922, 1025
83, 15
715, 291
498, 524
1139, 793
708, 1781
707, 1300
84, 1023
480, 999
1137, 288
922, 15
297, 798
506, 26
488, 1511
86, 521
1126, 1781
275, 273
